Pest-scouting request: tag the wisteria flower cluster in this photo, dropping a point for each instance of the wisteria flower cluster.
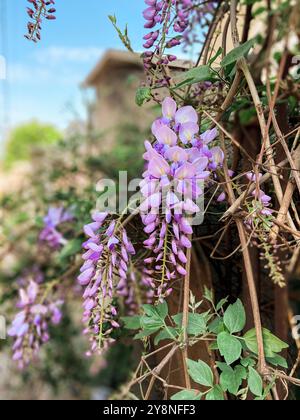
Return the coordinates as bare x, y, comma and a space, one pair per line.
38, 10
261, 201
179, 162
171, 23
30, 326
50, 234
260, 221
105, 276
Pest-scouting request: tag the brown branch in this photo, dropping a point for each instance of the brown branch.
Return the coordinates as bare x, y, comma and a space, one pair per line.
239, 201
248, 271
185, 315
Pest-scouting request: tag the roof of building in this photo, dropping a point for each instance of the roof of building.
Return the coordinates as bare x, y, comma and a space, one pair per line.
113, 58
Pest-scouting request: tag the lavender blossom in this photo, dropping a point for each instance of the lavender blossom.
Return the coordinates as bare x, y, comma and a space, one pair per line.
172, 184
175, 18
105, 275
50, 234
38, 10
261, 202
30, 326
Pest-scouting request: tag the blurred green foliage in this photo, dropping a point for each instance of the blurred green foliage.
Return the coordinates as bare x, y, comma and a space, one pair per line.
126, 154
24, 138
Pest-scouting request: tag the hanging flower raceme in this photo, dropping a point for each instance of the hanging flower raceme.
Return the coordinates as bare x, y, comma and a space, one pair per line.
259, 222
39, 10
30, 326
104, 275
178, 164
171, 23
259, 210
50, 233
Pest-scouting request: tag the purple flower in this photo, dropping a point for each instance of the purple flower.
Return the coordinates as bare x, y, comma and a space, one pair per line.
180, 16
166, 136
50, 234
30, 326
158, 167
221, 197
187, 131
104, 274
38, 10
176, 154
209, 136
169, 108
172, 182
185, 115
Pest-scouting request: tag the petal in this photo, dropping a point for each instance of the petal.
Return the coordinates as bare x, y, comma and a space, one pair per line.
172, 199
187, 131
185, 227
185, 242
190, 207
186, 171
186, 114
221, 198
165, 135
209, 135
112, 242
158, 167
169, 108
176, 154
86, 277
201, 164
99, 217
32, 290
217, 155
156, 126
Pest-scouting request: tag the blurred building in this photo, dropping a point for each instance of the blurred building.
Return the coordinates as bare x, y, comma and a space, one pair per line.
115, 80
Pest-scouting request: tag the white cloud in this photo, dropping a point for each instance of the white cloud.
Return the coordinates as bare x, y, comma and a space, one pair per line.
45, 81
55, 55
34, 75
59, 65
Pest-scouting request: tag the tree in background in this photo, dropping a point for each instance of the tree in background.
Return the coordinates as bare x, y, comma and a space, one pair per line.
24, 138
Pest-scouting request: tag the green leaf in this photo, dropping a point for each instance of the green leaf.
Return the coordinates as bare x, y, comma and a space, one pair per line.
246, 115
208, 293
151, 323
272, 344
158, 312
235, 317
166, 334
200, 372
187, 395
258, 11
231, 379
71, 248
214, 346
162, 310
216, 326
277, 361
196, 75
248, 361
132, 322
145, 333
221, 304
229, 346
255, 382
216, 394
112, 18
240, 372
237, 53
197, 323
143, 94
213, 59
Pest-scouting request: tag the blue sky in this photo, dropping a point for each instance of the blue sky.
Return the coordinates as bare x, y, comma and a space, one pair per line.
43, 78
